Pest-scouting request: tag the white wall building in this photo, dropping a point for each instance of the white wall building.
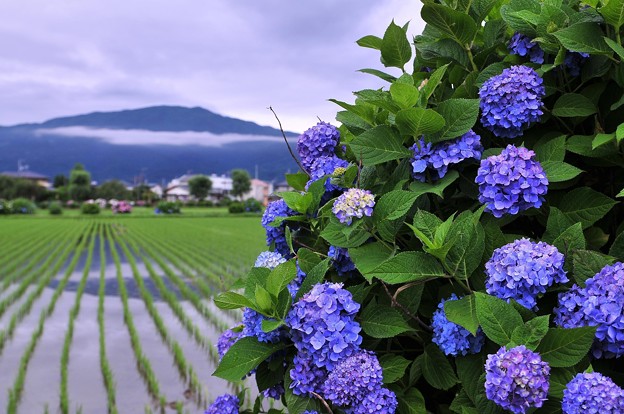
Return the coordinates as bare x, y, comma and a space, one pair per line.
178, 188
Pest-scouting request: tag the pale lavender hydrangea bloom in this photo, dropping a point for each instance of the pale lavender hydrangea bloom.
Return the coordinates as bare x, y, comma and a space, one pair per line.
270, 260
523, 45
592, 393
523, 270
512, 101
511, 182
516, 379
224, 404
318, 141
353, 203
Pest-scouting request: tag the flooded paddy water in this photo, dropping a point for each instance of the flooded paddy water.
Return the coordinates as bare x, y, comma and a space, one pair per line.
75, 292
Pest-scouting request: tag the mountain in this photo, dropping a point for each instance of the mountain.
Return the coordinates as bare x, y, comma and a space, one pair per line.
159, 142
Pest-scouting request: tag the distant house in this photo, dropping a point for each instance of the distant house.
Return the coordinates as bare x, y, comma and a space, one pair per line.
178, 188
40, 179
260, 190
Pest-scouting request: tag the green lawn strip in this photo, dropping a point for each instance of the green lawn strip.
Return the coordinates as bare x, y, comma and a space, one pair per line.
73, 314
143, 364
15, 393
155, 251
107, 373
64, 247
185, 370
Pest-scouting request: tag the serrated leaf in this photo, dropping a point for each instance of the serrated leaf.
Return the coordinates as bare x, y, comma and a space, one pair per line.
269, 325
432, 83
313, 277
382, 75
369, 256
613, 13
587, 263
395, 48
411, 402
571, 239
407, 267
419, 121
616, 47
370, 41
465, 254
585, 205
297, 181
393, 205
246, 354
531, 333
403, 94
437, 188
602, 139
378, 145
453, 24
566, 347
460, 116
463, 312
573, 104
437, 370
280, 277
497, 318
558, 171
583, 37
469, 369
340, 235
380, 321
231, 300
393, 367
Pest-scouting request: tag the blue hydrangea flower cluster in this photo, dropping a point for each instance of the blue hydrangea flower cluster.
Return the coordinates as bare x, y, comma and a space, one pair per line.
600, 303
276, 235
451, 338
224, 404
327, 165
354, 202
341, 261
322, 324
270, 260
511, 101
523, 270
383, 401
318, 141
353, 378
434, 160
511, 182
516, 379
573, 62
592, 393
252, 326
226, 340
275, 391
306, 376
523, 45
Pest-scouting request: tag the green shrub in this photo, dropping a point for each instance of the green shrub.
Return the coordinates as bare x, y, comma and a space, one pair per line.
224, 202
236, 207
55, 208
90, 208
167, 207
252, 205
22, 206
5, 207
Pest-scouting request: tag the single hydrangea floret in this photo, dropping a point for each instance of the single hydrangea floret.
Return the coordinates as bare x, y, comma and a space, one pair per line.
432, 161
511, 182
341, 261
277, 208
322, 324
318, 141
224, 404
592, 393
226, 340
353, 203
600, 303
516, 379
353, 378
523, 270
326, 166
523, 45
512, 101
451, 338
306, 377
270, 260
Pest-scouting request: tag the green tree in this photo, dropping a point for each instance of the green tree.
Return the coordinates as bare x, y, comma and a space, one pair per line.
112, 189
200, 186
60, 180
241, 182
79, 183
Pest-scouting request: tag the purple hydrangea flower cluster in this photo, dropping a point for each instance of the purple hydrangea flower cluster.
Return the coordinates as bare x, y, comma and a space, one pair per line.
327, 166
252, 326
224, 404
353, 378
511, 182
523, 45
341, 261
434, 160
383, 401
318, 141
451, 338
354, 202
277, 208
601, 304
573, 62
592, 393
305, 375
523, 270
274, 392
270, 260
294, 286
511, 101
323, 325
226, 340
516, 379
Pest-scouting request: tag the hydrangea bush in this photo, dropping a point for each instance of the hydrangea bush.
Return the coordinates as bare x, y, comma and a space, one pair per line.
454, 241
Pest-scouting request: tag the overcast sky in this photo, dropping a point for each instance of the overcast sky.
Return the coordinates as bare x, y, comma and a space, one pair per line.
234, 57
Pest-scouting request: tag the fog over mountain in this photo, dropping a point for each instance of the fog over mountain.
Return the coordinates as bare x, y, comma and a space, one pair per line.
158, 142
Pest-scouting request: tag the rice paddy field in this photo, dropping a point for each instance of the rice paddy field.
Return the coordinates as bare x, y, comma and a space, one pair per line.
114, 314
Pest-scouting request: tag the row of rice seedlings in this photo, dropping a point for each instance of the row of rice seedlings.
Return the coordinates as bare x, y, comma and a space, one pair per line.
107, 373
66, 246
21, 244
143, 364
15, 393
155, 251
73, 314
186, 371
